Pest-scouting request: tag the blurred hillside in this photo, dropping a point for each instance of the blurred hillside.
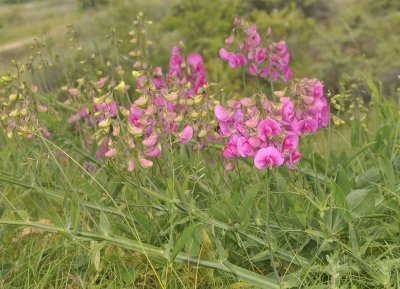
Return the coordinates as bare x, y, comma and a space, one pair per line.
340, 41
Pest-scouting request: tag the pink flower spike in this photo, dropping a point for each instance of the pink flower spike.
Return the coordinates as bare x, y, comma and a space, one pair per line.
150, 141
268, 157
221, 113
268, 128
185, 135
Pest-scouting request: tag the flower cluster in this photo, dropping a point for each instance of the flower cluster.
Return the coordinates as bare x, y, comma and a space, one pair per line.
170, 108
174, 107
268, 60
19, 108
257, 127
270, 132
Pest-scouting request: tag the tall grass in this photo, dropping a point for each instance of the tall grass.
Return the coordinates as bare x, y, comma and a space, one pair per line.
69, 220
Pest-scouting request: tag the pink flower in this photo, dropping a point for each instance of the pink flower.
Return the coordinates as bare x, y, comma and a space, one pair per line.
130, 166
221, 113
46, 133
307, 126
111, 153
73, 91
268, 128
153, 152
229, 166
230, 151
268, 157
229, 40
224, 54
145, 164
150, 141
254, 141
293, 158
194, 60
290, 143
244, 147
185, 135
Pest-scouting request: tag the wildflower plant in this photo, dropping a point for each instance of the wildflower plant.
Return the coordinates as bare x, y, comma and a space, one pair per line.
20, 107
259, 126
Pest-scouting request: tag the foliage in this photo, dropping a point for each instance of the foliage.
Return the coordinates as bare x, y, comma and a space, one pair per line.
69, 219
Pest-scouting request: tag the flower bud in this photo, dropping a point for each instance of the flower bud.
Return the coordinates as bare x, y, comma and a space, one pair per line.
12, 97
14, 113
202, 133
111, 153
179, 118
120, 86
108, 99
105, 122
124, 111
116, 130
99, 100
142, 101
137, 74
171, 96
135, 131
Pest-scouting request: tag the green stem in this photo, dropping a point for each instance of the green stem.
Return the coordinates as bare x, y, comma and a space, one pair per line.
152, 251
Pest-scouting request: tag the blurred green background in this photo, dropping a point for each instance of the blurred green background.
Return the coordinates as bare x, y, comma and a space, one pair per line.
338, 41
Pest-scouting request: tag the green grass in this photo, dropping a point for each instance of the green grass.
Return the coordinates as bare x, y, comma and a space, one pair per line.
68, 220
334, 221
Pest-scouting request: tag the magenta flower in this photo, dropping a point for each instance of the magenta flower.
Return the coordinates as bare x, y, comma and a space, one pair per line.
268, 157
153, 152
268, 128
185, 135
293, 158
150, 141
230, 151
221, 113
244, 147
290, 143
307, 126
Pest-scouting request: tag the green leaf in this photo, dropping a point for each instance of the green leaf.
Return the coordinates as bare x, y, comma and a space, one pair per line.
382, 135
340, 202
342, 180
372, 175
387, 169
104, 223
361, 202
248, 202
185, 238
